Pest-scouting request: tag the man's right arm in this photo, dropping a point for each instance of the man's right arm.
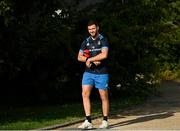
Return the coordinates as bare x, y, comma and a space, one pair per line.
81, 58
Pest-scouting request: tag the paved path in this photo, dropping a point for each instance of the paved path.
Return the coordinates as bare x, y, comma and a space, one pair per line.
159, 113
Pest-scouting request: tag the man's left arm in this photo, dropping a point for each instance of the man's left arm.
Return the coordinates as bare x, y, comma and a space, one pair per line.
103, 55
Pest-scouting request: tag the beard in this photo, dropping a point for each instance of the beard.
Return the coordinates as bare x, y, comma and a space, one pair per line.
94, 34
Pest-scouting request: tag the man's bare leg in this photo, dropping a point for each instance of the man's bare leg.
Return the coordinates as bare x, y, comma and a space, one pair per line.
105, 101
105, 108
86, 91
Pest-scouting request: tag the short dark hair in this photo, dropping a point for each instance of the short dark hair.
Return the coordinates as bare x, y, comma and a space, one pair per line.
92, 22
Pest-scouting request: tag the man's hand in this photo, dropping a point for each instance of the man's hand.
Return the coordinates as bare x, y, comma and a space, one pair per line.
88, 63
97, 63
92, 65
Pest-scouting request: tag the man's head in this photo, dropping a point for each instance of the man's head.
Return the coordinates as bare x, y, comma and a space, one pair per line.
93, 28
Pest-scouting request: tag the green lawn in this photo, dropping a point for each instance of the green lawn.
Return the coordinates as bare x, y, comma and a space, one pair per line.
44, 116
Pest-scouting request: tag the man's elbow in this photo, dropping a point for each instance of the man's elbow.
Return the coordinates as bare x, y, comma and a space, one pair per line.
79, 58
105, 56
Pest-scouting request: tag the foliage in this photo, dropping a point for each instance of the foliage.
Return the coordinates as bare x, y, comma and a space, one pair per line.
39, 42
6, 11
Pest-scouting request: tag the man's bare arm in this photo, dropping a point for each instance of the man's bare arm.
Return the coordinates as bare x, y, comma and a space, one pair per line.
101, 56
81, 57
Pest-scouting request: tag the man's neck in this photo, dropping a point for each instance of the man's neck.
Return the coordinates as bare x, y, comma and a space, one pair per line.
94, 38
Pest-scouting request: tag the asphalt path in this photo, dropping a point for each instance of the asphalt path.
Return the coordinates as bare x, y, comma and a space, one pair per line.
158, 113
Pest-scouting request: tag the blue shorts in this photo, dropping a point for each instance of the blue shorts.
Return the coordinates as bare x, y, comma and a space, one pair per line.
100, 81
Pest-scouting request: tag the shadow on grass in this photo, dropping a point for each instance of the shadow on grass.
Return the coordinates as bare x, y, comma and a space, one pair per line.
44, 116
38, 115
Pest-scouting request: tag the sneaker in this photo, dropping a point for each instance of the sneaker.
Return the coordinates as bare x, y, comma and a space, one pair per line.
86, 125
104, 125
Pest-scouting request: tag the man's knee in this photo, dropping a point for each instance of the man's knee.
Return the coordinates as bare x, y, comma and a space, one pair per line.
85, 94
104, 97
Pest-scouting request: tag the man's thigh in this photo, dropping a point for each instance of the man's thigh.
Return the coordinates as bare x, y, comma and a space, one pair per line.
88, 79
101, 81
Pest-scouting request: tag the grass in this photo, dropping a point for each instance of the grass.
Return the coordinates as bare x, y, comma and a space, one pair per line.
43, 116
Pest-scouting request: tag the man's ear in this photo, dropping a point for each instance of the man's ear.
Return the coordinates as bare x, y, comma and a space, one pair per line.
97, 28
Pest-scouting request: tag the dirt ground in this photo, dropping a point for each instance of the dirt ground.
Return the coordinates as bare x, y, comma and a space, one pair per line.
158, 113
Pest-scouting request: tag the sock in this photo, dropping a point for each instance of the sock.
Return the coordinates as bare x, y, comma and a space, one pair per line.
88, 118
105, 118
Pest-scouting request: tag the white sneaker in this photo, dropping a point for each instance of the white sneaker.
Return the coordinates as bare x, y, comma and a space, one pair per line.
104, 125
86, 125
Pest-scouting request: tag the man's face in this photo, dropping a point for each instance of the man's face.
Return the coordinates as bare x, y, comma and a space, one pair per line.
93, 30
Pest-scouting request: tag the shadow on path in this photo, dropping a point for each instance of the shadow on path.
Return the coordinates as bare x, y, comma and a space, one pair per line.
143, 119
160, 107
166, 105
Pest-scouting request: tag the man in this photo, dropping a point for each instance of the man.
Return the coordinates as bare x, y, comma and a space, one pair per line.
94, 52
